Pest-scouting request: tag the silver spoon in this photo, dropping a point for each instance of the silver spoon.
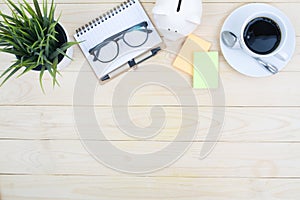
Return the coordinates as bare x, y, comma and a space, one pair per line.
232, 41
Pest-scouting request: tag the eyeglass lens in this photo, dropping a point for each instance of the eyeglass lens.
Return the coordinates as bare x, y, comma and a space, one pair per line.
136, 38
133, 38
109, 51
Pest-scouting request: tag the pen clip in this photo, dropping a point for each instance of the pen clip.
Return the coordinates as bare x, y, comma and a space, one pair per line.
132, 64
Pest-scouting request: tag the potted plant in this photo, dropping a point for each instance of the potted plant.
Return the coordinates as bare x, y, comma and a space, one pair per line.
35, 38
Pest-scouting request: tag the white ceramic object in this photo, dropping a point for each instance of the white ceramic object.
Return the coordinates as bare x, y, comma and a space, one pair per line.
278, 53
241, 59
176, 19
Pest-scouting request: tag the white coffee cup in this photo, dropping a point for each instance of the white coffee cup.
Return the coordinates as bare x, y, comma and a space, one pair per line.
278, 52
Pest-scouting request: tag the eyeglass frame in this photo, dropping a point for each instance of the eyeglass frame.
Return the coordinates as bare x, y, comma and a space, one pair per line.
115, 38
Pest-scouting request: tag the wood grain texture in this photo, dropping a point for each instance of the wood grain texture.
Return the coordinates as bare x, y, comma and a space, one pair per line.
241, 124
257, 156
148, 188
61, 157
238, 90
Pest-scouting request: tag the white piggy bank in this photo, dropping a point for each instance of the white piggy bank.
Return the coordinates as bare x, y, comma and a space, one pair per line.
176, 19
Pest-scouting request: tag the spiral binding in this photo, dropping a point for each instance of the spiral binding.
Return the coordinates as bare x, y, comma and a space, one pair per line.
106, 16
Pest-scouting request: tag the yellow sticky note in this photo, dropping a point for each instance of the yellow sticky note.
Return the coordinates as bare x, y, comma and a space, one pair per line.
184, 60
206, 70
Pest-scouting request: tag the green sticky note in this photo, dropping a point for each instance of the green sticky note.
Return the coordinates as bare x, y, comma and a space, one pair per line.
206, 70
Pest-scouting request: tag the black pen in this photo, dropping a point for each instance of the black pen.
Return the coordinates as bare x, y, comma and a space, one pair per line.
132, 63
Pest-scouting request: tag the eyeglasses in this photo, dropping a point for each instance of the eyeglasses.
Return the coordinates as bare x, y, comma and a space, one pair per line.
134, 37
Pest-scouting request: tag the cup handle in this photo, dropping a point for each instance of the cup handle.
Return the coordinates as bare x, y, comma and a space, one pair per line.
282, 56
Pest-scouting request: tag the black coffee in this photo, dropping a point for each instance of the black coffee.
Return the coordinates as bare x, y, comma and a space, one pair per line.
262, 35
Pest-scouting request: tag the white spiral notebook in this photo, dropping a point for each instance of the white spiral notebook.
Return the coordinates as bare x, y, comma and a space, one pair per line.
117, 36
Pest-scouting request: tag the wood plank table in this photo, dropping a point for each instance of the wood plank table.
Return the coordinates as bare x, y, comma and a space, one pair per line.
257, 156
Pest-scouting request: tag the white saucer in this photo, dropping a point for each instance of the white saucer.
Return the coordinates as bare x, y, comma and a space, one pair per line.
240, 60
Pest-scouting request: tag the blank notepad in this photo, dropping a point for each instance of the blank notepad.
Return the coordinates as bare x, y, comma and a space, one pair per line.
116, 20
206, 70
184, 60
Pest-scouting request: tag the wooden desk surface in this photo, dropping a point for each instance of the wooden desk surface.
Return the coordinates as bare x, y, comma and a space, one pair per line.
257, 156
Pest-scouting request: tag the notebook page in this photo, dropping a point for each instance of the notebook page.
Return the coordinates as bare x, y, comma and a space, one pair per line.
128, 17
